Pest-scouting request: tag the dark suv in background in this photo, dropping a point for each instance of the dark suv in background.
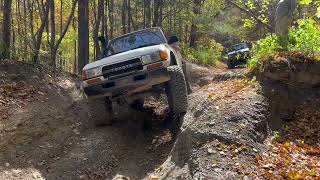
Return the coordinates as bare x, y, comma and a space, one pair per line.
239, 54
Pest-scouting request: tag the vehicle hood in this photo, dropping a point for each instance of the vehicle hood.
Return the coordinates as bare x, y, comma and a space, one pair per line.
121, 57
239, 51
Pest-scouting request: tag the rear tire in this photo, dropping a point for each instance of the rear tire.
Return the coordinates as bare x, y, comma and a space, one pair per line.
100, 114
177, 95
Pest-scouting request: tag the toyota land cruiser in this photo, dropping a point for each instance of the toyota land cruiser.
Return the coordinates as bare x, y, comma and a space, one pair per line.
132, 67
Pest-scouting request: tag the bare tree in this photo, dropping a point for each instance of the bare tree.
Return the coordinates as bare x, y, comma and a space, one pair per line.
251, 14
6, 37
157, 13
124, 16
147, 13
194, 28
96, 28
54, 44
37, 36
110, 4
83, 34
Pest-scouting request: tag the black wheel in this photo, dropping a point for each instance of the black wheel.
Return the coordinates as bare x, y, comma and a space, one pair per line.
177, 95
230, 64
137, 104
100, 112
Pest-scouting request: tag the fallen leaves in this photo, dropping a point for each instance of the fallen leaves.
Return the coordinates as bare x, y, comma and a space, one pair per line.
228, 89
295, 153
13, 96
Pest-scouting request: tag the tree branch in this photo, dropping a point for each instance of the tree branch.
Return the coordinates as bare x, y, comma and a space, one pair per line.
252, 15
67, 25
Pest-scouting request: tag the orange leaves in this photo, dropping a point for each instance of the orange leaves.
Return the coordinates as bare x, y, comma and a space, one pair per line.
20, 89
13, 95
292, 162
295, 175
296, 153
227, 89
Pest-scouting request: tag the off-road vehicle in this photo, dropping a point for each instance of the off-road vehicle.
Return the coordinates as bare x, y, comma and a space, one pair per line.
239, 54
132, 67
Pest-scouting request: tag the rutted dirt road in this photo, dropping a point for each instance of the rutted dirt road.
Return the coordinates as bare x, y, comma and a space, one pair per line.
50, 135
46, 131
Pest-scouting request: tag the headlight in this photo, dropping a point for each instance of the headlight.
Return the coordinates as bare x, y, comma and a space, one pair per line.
155, 57
91, 73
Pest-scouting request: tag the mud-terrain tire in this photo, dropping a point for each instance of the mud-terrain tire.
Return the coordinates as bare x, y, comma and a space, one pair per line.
99, 113
137, 104
177, 95
230, 64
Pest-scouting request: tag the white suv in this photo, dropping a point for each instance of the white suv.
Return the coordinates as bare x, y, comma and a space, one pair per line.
133, 66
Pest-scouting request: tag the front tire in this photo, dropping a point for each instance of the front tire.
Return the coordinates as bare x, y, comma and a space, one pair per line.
177, 95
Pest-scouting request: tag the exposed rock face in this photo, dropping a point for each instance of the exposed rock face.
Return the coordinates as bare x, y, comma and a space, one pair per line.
224, 119
294, 71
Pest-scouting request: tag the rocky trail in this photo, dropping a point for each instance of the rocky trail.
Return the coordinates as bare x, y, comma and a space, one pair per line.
46, 131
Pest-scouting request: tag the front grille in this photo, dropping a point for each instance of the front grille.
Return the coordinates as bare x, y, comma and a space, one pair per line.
122, 69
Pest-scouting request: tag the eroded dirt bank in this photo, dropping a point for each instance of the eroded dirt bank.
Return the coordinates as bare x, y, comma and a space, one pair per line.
223, 132
46, 131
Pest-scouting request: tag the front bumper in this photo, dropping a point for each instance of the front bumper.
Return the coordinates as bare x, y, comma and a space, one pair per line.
240, 56
136, 83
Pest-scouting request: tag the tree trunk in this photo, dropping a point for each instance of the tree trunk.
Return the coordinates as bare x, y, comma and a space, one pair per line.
194, 29
129, 15
54, 45
124, 16
6, 29
111, 17
61, 16
25, 47
103, 22
96, 29
51, 6
75, 66
37, 38
83, 34
147, 8
157, 13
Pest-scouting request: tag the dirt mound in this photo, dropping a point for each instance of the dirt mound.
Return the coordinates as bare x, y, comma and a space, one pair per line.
222, 131
47, 131
294, 69
291, 84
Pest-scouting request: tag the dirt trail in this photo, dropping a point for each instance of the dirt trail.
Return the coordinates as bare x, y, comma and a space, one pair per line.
47, 132
50, 135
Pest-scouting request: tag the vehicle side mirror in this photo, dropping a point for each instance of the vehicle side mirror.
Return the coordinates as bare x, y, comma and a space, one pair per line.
104, 45
173, 39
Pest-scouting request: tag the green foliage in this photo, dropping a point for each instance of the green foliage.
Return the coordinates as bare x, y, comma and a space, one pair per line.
305, 38
263, 49
276, 135
208, 52
260, 8
305, 2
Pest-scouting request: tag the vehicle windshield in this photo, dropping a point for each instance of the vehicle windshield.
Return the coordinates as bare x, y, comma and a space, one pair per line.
136, 40
238, 47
